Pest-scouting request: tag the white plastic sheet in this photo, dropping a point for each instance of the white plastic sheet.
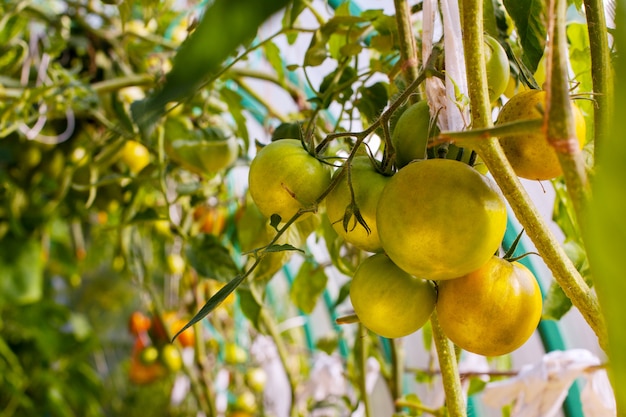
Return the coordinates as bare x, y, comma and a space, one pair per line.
540, 389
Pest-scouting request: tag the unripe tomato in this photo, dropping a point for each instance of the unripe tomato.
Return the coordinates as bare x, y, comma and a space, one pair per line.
285, 178
256, 379
175, 263
149, 355
367, 185
491, 311
234, 354
202, 151
135, 155
389, 301
171, 358
498, 70
411, 132
440, 219
531, 155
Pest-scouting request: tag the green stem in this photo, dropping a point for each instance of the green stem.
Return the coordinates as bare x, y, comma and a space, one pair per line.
270, 326
271, 110
397, 368
408, 52
362, 364
601, 71
449, 370
114, 84
548, 246
559, 116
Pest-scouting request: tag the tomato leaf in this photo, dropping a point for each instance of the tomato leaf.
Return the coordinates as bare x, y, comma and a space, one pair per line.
272, 54
21, 270
530, 20
210, 258
556, 304
275, 220
282, 248
308, 285
217, 35
213, 302
372, 101
236, 108
250, 304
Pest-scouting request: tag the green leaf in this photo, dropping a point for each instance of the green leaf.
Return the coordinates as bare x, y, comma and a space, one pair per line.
293, 10
556, 304
282, 248
372, 101
21, 270
250, 305
216, 37
236, 108
476, 385
531, 24
308, 285
213, 302
147, 215
210, 258
344, 292
272, 53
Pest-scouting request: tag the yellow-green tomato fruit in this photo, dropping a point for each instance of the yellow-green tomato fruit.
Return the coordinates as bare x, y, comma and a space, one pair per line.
491, 311
387, 300
285, 178
440, 219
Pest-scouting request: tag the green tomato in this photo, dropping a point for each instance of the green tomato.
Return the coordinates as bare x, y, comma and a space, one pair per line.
411, 132
498, 71
202, 151
171, 358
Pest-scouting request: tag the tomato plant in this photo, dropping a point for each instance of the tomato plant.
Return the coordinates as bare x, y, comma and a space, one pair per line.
316, 160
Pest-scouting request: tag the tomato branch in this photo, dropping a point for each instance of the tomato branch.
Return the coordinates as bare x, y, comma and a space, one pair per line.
408, 51
601, 71
449, 370
559, 117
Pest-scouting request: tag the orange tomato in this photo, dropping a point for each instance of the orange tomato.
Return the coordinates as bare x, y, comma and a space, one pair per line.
138, 323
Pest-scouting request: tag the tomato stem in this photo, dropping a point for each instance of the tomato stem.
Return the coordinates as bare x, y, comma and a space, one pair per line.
601, 71
559, 117
270, 326
408, 53
449, 370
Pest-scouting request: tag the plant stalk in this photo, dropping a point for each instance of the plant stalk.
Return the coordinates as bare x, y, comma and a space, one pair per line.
449, 370
559, 116
408, 52
601, 71
270, 326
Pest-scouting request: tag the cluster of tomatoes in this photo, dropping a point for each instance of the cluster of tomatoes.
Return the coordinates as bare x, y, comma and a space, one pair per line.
433, 227
153, 355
